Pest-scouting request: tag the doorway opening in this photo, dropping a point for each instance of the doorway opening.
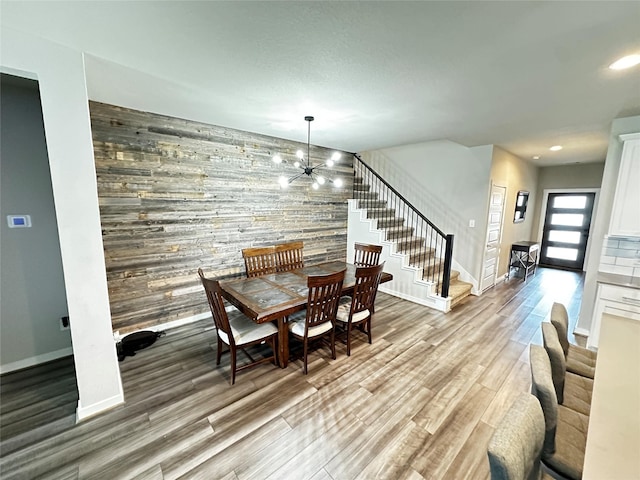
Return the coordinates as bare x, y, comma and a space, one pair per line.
566, 229
38, 375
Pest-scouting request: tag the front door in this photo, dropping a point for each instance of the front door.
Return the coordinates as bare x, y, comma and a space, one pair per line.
494, 236
566, 230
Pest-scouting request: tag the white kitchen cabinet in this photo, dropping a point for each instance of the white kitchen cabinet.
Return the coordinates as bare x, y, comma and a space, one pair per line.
625, 216
615, 300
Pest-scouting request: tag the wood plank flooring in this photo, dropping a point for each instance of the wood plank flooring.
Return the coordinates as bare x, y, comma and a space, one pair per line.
420, 403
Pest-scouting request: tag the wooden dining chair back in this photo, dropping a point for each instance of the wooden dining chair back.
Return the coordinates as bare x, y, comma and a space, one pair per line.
259, 261
236, 330
367, 255
357, 310
318, 321
289, 256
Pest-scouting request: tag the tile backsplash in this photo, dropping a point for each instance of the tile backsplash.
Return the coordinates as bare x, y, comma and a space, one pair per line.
621, 255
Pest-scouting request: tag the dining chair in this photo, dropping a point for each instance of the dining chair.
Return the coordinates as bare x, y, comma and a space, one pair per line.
236, 330
565, 437
289, 256
259, 261
367, 255
580, 360
515, 448
572, 391
357, 310
318, 321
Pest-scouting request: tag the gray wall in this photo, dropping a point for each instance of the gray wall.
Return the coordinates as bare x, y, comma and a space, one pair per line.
32, 289
583, 175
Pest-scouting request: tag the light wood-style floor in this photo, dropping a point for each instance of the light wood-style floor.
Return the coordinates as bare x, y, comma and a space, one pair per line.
421, 402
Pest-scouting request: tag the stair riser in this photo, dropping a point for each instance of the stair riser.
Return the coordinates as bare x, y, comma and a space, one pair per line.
398, 234
421, 258
367, 196
367, 204
433, 269
403, 246
396, 222
381, 213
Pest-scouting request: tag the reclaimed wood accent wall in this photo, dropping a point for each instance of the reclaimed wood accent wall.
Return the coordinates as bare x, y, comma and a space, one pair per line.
176, 195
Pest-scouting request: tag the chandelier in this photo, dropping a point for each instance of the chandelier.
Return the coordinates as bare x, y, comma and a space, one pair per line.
307, 168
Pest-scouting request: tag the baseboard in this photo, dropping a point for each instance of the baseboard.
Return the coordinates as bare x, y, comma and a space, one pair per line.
35, 360
82, 413
581, 331
166, 326
437, 303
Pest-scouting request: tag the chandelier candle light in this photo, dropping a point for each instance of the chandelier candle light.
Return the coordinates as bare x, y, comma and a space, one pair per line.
306, 166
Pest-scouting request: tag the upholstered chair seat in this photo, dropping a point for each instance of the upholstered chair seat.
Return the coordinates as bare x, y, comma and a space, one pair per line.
580, 360
345, 307
573, 391
571, 442
578, 392
245, 330
565, 429
297, 324
580, 365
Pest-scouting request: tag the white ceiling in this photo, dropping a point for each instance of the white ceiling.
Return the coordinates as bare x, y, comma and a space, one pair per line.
520, 75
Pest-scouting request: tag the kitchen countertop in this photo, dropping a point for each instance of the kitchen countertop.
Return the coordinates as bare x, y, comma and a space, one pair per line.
613, 438
620, 280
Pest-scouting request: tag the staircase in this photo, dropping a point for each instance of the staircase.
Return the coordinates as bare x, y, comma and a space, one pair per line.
421, 246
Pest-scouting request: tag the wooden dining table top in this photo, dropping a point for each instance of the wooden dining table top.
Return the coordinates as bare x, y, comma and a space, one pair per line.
273, 296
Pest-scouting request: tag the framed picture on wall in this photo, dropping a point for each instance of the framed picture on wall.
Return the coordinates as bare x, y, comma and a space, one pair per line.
521, 206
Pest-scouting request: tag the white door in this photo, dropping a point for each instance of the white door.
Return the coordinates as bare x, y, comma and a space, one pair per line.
494, 235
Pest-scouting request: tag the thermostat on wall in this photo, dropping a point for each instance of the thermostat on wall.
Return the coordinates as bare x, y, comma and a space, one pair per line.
19, 221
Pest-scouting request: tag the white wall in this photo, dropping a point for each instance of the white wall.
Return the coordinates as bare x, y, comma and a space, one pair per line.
449, 183
601, 224
60, 72
31, 279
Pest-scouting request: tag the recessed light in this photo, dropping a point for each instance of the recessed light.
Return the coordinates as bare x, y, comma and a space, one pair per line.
555, 148
536, 157
626, 62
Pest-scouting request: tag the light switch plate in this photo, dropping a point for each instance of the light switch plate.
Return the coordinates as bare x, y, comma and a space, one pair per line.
19, 221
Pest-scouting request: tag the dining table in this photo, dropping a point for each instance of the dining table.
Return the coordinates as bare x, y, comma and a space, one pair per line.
275, 296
